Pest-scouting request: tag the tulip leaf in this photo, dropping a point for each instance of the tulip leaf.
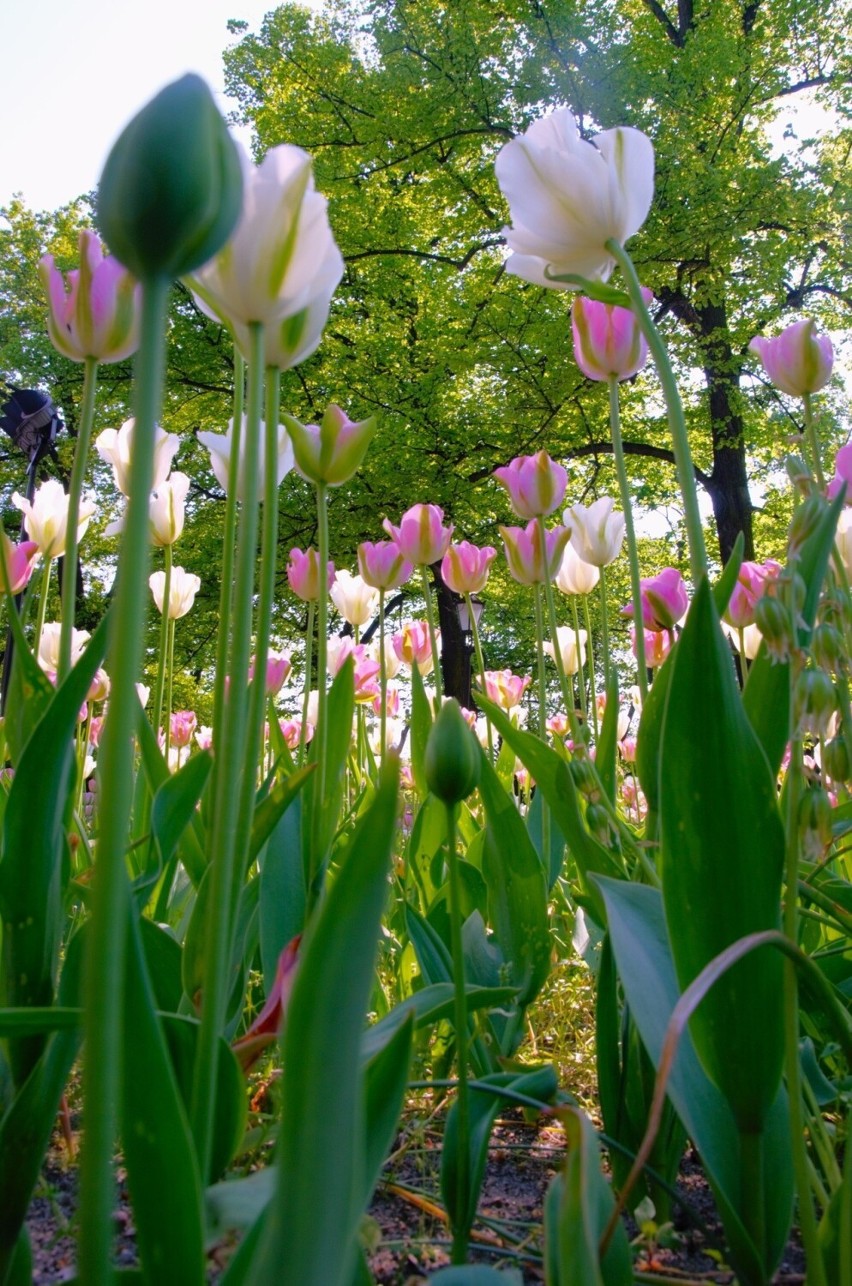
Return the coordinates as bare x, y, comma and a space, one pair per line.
34, 845
421, 724
555, 861
172, 811
517, 890
318, 837
552, 777
30, 690
269, 811
461, 1205
157, 1140
476, 1275
576, 1210
641, 945
155, 769
385, 1083
310, 1230
28, 1122
722, 860
605, 759
281, 895
430, 1005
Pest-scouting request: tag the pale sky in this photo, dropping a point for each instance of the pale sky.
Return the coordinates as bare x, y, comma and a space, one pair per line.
75, 71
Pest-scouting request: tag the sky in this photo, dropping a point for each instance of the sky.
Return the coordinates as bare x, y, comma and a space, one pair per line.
76, 71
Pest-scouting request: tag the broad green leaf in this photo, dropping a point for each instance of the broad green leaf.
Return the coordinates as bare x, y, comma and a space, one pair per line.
309, 1234
725, 585
29, 1022
174, 808
461, 1203
156, 774
550, 773
576, 1210
605, 759
555, 861
421, 723
317, 839
157, 1141
30, 690
517, 889
428, 835
722, 859
229, 1116
163, 959
430, 1005
29, 1120
269, 811
477, 1275
282, 895
385, 1083
34, 846
640, 941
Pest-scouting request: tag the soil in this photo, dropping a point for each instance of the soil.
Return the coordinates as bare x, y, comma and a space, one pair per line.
405, 1236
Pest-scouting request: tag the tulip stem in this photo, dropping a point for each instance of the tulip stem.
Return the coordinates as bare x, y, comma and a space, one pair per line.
230, 752
604, 628
433, 637
104, 965
792, 1063
461, 1230
383, 678
674, 408
630, 532
813, 440
266, 597
477, 647
567, 695
320, 742
42, 603
309, 661
592, 692
164, 639
542, 715
226, 588
75, 495
581, 680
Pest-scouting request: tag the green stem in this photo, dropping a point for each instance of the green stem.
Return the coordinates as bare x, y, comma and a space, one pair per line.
433, 637
813, 441
167, 723
42, 603
480, 663
542, 715
792, 1065
383, 678
104, 968
630, 532
317, 857
230, 755
591, 652
605, 628
162, 662
266, 599
567, 695
75, 495
460, 1231
674, 409
226, 587
309, 660
581, 680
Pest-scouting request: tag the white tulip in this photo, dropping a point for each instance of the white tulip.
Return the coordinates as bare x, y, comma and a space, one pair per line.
46, 517
575, 575
219, 446
183, 587
354, 599
116, 447
568, 197
167, 509
567, 636
596, 532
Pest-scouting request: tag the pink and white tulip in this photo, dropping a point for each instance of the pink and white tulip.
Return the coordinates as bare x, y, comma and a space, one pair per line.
46, 517
798, 361
17, 563
382, 564
330, 453
421, 536
354, 598
413, 645
608, 343
94, 311
535, 483
664, 600
465, 567
531, 561
303, 574
220, 445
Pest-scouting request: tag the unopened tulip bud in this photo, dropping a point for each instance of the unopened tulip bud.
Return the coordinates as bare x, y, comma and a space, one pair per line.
805, 521
599, 824
836, 760
815, 822
453, 758
331, 452
171, 191
826, 646
585, 778
775, 624
814, 702
798, 361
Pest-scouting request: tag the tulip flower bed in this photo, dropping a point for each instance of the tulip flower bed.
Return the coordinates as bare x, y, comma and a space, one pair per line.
361, 896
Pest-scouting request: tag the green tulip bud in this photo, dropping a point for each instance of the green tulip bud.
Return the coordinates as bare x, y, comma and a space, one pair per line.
815, 822
826, 646
805, 522
814, 702
774, 622
171, 190
585, 778
835, 759
453, 756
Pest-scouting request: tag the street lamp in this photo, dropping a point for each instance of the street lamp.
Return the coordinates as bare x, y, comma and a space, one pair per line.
464, 615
